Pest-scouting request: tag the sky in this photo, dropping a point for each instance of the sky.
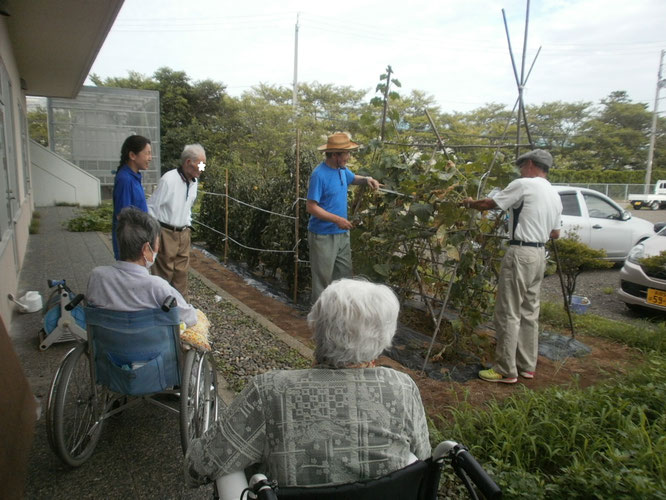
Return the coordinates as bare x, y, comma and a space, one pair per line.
453, 50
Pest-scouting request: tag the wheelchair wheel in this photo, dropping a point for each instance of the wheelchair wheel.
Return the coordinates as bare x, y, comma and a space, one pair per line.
74, 414
199, 402
50, 402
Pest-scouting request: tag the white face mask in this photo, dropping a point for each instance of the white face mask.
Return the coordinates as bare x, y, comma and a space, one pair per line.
149, 264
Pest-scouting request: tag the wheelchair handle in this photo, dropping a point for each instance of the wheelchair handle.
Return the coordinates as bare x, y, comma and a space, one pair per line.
462, 460
261, 488
75, 302
169, 303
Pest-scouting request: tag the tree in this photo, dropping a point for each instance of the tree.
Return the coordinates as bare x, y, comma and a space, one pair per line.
574, 258
37, 127
189, 112
616, 138
555, 125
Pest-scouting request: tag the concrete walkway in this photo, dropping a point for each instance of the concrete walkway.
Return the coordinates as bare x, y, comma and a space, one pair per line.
139, 453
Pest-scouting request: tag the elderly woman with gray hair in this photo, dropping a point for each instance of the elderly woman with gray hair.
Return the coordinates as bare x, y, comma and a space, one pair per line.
127, 285
342, 420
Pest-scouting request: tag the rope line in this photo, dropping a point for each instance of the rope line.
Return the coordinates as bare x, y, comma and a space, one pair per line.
249, 205
240, 244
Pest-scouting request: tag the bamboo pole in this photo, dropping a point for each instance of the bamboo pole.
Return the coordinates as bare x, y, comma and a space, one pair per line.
226, 214
439, 137
297, 214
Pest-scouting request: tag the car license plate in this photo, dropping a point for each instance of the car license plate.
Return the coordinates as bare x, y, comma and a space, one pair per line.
656, 297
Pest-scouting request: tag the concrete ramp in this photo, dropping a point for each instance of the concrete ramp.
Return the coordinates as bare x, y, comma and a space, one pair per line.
56, 180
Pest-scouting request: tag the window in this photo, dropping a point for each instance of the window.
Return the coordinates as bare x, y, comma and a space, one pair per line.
25, 141
600, 208
9, 181
4, 200
570, 205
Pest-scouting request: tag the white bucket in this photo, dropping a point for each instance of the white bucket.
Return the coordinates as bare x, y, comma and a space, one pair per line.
31, 302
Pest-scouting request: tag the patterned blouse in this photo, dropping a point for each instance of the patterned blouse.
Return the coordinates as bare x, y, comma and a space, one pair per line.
316, 427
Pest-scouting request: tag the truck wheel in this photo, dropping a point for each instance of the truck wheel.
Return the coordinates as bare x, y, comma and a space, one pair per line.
654, 205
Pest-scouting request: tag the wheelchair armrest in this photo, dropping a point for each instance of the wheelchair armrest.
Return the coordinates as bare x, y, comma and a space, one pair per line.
74, 302
169, 303
462, 460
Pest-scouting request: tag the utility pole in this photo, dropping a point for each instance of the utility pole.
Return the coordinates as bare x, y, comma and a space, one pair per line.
294, 98
661, 82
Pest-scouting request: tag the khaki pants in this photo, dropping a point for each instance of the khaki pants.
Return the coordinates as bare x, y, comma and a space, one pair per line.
173, 258
330, 260
517, 310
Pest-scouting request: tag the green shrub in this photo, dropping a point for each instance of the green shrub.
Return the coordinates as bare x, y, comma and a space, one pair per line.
92, 219
34, 223
605, 441
575, 257
655, 264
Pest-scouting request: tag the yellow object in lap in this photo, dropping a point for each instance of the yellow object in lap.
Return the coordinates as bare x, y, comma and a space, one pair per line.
197, 335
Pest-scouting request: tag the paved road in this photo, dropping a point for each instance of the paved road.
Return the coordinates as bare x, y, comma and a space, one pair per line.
649, 215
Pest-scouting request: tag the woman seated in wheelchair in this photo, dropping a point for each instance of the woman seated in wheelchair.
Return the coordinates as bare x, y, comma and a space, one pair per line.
127, 285
342, 420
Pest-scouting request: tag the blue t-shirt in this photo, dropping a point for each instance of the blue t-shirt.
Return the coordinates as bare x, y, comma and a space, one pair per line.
328, 187
127, 192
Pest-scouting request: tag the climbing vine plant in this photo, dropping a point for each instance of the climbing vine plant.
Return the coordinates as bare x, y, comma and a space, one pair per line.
414, 234
416, 237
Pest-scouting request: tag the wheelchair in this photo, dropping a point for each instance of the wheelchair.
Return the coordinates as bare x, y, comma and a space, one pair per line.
417, 481
128, 358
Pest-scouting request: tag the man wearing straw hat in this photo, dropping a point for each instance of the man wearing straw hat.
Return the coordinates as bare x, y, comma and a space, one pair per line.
328, 229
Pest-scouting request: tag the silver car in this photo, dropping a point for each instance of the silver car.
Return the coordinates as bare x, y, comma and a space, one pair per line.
600, 222
640, 287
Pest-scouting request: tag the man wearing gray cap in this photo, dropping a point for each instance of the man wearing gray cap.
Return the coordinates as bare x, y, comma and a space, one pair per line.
535, 211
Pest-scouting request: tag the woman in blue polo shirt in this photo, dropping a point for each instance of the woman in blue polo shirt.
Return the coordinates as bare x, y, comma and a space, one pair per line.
135, 155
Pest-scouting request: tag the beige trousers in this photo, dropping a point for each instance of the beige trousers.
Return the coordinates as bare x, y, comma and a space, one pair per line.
517, 310
173, 258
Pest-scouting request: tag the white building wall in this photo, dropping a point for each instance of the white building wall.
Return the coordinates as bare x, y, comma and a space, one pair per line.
56, 180
14, 237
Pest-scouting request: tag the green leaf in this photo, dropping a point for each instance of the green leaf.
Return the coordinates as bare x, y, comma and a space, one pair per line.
422, 211
442, 234
452, 252
376, 101
382, 269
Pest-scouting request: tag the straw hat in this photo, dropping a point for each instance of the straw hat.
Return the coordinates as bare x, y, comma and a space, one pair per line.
338, 143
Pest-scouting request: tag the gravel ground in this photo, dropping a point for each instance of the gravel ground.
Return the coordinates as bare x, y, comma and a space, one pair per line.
242, 347
598, 286
601, 286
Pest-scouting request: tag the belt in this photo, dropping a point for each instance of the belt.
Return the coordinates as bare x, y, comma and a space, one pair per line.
173, 228
526, 243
